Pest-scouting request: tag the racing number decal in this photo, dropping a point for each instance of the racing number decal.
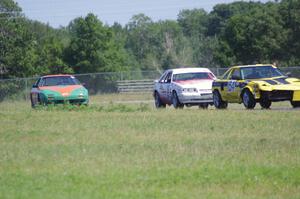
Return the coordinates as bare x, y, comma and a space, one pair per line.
231, 85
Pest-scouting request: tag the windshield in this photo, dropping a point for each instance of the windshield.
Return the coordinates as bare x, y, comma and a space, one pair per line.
59, 80
192, 76
258, 72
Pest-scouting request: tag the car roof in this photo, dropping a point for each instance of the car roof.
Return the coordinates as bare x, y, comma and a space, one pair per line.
57, 75
188, 70
253, 65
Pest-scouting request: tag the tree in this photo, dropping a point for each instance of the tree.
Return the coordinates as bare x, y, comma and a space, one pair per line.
193, 22
92, 47
290, 13
221, 13
17, 44
139, 36
256, 36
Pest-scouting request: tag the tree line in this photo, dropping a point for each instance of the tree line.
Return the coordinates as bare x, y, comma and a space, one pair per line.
236, 33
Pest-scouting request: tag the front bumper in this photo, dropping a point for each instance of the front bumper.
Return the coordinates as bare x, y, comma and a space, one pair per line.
195, 98
68, 100
281, 95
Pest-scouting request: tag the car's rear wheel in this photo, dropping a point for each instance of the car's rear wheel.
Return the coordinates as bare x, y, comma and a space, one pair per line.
175, 101
158, 102
203, 105
248, 99
218, 102
295, 104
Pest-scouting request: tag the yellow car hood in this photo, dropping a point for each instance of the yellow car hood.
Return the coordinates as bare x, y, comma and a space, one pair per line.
278, 84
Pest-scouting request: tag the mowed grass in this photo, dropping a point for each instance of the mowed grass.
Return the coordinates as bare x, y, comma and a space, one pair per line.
134, 151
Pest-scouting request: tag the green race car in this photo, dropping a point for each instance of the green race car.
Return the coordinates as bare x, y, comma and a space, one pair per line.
54, 89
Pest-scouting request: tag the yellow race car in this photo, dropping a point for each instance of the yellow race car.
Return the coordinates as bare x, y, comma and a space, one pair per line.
255, 83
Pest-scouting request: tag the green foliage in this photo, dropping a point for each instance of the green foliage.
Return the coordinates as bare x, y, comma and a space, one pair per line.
255, 37
92, 48
17, 48
290, 12
193, 22
235, 33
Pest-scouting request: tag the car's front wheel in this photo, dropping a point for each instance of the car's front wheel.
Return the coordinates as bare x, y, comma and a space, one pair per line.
175, 101
34, 102
248, 99
218, 102
295, 104
158, 102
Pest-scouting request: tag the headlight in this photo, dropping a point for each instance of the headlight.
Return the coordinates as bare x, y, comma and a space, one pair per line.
189, 90
81, 95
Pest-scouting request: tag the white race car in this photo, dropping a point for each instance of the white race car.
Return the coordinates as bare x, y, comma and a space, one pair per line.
184, 86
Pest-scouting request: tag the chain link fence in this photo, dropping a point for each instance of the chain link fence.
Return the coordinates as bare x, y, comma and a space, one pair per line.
98, 83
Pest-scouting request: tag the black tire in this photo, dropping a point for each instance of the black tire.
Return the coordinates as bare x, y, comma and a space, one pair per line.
265, 103
34, 104
248, 99
295, 104
203, 105
175, 101
218, 102
158, 102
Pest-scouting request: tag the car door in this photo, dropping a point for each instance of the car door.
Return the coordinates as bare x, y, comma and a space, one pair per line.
233, 85
167, 87
159, 87
224, 85
34, 94
164, 87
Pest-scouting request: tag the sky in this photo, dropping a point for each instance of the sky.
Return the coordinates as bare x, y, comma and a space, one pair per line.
61, 12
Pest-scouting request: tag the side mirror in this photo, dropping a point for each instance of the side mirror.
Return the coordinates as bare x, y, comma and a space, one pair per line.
34, 86
289, 74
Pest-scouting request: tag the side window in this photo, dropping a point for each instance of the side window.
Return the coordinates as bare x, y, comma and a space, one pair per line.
37, 82
168, 78
225, 76
236, 75
162, 79
41, 82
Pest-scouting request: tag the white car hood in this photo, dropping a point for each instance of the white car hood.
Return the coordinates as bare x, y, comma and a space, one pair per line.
199, 84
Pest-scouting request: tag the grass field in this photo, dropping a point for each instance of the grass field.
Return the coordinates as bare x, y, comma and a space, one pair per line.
134, 151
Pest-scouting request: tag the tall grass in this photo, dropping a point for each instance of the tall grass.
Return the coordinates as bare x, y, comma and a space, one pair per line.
134, 151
